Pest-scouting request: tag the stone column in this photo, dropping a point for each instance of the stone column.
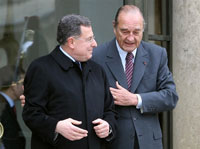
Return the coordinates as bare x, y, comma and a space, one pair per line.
186, 71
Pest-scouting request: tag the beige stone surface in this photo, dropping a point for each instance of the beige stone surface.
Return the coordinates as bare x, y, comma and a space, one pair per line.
186, 71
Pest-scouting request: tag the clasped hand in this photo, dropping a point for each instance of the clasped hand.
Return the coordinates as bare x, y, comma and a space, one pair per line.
123, 97
68, 128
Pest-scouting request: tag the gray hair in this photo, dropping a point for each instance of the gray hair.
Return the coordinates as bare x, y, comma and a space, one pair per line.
127, 8
69, 26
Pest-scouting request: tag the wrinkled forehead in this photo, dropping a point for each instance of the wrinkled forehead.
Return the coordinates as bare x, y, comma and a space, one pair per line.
130, 20
133, 12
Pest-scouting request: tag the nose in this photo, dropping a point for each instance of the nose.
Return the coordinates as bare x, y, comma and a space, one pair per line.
131, 37
94, 43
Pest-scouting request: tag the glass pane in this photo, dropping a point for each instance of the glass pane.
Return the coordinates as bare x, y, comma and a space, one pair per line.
28, 30
154, 19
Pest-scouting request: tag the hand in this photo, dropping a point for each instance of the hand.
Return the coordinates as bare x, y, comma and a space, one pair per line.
68, 129
101, 128
22, 99
123, 97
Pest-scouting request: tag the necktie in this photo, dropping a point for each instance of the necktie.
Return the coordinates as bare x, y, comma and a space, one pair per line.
129, 69
79, 64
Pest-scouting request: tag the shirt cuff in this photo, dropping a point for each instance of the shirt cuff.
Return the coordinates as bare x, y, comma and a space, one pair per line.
139, 105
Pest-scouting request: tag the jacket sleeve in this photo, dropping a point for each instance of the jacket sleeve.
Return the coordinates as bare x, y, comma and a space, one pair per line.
164, 97
35, 111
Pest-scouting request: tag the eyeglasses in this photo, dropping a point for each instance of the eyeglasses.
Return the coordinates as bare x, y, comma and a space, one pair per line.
89, 39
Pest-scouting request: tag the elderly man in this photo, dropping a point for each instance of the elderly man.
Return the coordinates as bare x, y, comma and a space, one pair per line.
140, 80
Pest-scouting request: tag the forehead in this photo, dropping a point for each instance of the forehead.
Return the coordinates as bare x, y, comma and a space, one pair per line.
86, 31
130, 20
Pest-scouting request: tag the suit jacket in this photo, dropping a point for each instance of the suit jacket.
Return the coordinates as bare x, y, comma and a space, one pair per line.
56, 89
13, 137
152, 80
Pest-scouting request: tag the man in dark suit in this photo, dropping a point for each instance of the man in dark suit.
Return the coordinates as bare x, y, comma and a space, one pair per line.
151, 89
68, 102
10, 90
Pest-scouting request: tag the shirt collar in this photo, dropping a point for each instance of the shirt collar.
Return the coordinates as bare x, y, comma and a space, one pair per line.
8, 99
65, 53
123, 53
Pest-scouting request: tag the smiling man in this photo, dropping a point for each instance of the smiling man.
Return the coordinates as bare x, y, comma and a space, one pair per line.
68, 102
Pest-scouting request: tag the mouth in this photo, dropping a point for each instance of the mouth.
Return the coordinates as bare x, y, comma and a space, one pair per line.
129, 44
90, 51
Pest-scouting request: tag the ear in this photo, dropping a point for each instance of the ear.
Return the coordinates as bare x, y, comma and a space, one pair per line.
114, 26
71, 42
113, 23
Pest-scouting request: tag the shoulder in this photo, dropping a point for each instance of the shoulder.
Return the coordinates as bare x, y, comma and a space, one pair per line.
40, 65
102, 51
44, 61
151, 47
153, 50
103, 48
41, 61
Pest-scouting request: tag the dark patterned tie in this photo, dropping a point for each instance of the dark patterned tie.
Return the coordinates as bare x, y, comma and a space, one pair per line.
129, 69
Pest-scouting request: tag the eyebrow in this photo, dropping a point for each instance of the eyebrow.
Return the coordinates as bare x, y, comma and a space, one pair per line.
126, 29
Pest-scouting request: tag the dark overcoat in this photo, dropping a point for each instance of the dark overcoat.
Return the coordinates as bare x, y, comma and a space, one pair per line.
56, 89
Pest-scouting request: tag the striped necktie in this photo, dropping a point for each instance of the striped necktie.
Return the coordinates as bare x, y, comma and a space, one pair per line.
129, 69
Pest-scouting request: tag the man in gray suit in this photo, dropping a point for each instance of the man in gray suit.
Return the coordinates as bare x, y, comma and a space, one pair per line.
151, 90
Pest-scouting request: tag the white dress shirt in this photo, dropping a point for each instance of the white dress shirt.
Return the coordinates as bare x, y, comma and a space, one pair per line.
122, 55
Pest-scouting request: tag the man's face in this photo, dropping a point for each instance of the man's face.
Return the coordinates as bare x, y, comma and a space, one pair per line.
84, 44
129, 30
17, 88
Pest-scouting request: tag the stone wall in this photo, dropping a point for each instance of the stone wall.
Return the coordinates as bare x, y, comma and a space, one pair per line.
186, 71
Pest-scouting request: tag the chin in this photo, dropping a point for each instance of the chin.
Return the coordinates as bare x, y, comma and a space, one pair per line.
88, 58
129, 49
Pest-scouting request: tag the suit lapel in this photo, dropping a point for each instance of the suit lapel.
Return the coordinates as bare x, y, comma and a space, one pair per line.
140, 63
114, 64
